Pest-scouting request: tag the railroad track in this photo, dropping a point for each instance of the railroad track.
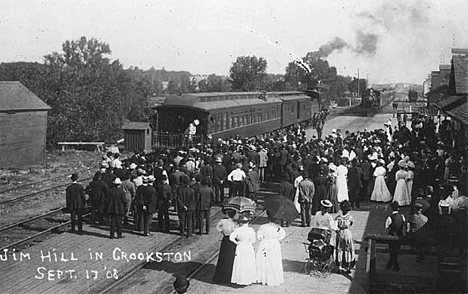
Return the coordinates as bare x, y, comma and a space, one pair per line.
18, 187
22, 197
20, 233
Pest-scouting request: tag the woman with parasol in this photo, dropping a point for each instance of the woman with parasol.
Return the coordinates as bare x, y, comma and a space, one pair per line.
227, 251
269, 260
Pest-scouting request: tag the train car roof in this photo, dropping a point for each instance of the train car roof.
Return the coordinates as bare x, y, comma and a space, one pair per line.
221, 100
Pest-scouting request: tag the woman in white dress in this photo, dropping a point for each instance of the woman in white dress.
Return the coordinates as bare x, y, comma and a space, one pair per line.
244, 270
401, 190
380, 192
341, 181
410, 178
269, 260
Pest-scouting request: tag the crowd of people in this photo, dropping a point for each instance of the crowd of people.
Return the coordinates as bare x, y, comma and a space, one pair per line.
423, 165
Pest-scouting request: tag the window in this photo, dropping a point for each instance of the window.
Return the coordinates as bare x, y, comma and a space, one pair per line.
225, 121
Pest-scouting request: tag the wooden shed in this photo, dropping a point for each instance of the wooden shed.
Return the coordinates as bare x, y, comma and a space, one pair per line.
23, 126
137, 136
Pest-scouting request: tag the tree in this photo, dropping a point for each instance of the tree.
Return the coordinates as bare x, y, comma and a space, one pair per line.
214, 83
91, 92
353, 86
248, 73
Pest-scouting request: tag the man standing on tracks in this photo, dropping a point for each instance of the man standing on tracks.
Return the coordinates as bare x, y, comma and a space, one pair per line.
76, 203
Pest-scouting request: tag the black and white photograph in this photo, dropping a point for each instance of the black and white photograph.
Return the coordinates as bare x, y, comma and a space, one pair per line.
242, 146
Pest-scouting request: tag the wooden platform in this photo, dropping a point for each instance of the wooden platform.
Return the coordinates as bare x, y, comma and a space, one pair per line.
23, 276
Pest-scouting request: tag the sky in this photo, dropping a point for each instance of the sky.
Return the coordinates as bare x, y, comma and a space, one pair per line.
387, 40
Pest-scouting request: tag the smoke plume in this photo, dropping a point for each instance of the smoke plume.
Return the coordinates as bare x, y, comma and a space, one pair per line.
366, 43
337, 44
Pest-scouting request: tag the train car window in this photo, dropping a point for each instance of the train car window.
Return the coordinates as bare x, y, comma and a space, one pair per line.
226, 121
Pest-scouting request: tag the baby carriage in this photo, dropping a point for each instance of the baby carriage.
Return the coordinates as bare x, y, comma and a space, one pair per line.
320, 261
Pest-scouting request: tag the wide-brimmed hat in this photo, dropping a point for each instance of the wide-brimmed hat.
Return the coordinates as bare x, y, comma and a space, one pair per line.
181, 284
402, 163
218, 159
151, 178
418, 205
239, 165
411, 164
117, 181
332, 166
145, 179
326, 203
419, 192
373, 156
133, 165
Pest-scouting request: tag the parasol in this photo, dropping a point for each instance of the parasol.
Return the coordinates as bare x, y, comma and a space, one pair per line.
280, 207
241, 204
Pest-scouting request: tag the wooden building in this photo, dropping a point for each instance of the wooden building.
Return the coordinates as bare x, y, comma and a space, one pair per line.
137, 136
23, 126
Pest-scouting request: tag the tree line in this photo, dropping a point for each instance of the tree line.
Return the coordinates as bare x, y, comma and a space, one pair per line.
90, 94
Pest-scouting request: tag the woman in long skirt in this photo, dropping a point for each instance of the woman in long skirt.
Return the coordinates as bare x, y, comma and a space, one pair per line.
345, 254
341, 181
244, 270
401, 190
269, 260
320, 192
332, 194
380, 192
227, 251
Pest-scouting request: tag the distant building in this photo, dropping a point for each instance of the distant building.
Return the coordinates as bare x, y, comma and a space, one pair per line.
455, 105
23, 126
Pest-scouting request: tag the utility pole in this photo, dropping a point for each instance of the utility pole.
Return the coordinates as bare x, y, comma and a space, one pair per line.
358, 82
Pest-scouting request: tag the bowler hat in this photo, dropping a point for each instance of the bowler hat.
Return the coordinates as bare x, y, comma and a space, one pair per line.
181, 284
74, 177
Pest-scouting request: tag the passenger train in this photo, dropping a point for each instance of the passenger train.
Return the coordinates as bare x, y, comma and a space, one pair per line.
230, 114
373, 100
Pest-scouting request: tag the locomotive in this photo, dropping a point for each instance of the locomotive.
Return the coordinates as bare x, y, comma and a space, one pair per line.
373, 100
227, 115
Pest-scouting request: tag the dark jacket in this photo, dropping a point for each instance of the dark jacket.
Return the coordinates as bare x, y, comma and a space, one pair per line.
396, 228
219, 173
286, 189
205, 197
96, 190
117, 201
186, 197
164, 192
354, 178
76, 199
150, 199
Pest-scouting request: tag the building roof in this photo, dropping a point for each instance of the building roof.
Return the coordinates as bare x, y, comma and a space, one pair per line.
446, 103
156, 101
460, 68
129, 125
459, 110
222, 100
16, 97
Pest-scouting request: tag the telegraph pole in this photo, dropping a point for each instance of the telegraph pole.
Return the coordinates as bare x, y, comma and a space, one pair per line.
358, 82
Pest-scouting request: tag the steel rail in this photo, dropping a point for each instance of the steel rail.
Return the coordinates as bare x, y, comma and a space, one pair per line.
17, 224
39, 192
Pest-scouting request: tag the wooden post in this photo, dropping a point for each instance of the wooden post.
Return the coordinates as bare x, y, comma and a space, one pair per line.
370, 262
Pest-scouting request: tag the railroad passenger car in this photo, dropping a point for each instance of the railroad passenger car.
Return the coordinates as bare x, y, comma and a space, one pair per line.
225, 115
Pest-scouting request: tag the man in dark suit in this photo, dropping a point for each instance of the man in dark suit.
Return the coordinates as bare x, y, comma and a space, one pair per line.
116, 208
286, 189
205, 198
76, 203
164, 192
185, 206
219, 176
150, 205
